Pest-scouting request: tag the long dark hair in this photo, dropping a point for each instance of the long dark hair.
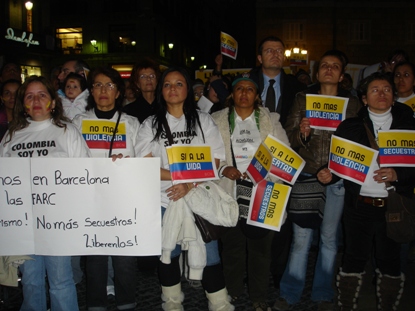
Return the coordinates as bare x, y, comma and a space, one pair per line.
19, 113
189, 106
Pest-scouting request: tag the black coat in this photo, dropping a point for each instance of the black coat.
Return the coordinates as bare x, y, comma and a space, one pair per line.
289, 86
353, 129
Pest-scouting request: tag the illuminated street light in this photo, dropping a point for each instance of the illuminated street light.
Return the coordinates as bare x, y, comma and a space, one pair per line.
29, 7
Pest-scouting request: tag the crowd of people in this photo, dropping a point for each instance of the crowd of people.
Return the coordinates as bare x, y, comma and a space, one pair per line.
232, 115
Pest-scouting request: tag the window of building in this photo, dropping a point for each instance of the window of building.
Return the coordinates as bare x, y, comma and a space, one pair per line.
294, 32
70, 40
410, 32
122, 38
360, 32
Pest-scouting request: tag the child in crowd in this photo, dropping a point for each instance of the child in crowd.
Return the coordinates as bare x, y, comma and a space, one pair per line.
76, 95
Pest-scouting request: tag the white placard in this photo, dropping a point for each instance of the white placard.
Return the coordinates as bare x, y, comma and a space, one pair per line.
96, 206
16, 219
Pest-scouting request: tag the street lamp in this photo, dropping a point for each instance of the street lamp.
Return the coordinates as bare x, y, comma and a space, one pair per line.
297, 56
171, 45
94, 44
29, 6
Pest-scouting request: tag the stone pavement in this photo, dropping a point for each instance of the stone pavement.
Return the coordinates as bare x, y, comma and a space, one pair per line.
148, 293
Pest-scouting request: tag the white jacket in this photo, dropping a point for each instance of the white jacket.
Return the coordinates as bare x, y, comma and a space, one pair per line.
179, 226
71, 109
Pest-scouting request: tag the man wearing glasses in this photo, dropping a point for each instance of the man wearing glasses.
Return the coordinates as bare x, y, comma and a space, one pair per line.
270, 72
277, 90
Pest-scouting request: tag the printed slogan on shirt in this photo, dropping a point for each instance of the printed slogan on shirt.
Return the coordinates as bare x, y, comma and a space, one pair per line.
350, 160
396, 148
98, 134
325, 112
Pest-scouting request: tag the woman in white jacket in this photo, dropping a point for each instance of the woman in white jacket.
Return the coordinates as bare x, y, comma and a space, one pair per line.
243, 126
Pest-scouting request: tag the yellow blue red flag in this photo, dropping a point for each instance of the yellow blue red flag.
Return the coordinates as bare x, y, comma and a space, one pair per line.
228, 45
191, 163
325, 112
267, 208
286, 163
396, 148
350, 160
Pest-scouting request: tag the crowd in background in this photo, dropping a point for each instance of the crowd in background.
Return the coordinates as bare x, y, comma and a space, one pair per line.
223, 112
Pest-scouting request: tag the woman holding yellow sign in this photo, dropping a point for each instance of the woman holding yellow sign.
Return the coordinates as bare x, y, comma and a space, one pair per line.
404, 78
366, 204
179, 122
307, 195
243, 126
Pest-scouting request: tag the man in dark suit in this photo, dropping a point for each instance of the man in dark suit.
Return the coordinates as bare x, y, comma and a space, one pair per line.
286, 86
280, 99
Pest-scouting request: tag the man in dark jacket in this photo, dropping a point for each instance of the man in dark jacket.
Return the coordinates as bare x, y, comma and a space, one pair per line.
286, 86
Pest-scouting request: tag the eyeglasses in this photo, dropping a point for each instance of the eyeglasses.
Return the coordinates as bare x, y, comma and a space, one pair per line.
150, 76
273, 51
108, 86
385, 89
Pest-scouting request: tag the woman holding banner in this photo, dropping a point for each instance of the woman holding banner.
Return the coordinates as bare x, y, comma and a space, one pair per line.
366, 204
308, 197
179, 121
404, 78
103, 112
38, 117
244, 124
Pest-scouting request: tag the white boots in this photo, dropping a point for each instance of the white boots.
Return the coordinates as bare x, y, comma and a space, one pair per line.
219, 301
172, 297
389, 290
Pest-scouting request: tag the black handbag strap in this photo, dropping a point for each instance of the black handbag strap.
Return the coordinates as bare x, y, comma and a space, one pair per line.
114, 133
375, 146
168, 131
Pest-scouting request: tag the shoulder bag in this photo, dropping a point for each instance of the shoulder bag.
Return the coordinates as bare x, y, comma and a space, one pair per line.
400, 213
244, 191
208, 231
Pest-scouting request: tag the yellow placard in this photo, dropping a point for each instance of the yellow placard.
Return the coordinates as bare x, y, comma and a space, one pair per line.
101, 127
395, 138
326, 103
411, 103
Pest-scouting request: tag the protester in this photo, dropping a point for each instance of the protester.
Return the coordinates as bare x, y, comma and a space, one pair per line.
178, 111
105, 107
313, 146
271, 57
38, 116
8, 91
10, 71
144, 78
404, 78
245, 120
365, 205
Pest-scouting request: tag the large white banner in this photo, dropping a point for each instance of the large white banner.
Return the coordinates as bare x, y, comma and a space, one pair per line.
83, 207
